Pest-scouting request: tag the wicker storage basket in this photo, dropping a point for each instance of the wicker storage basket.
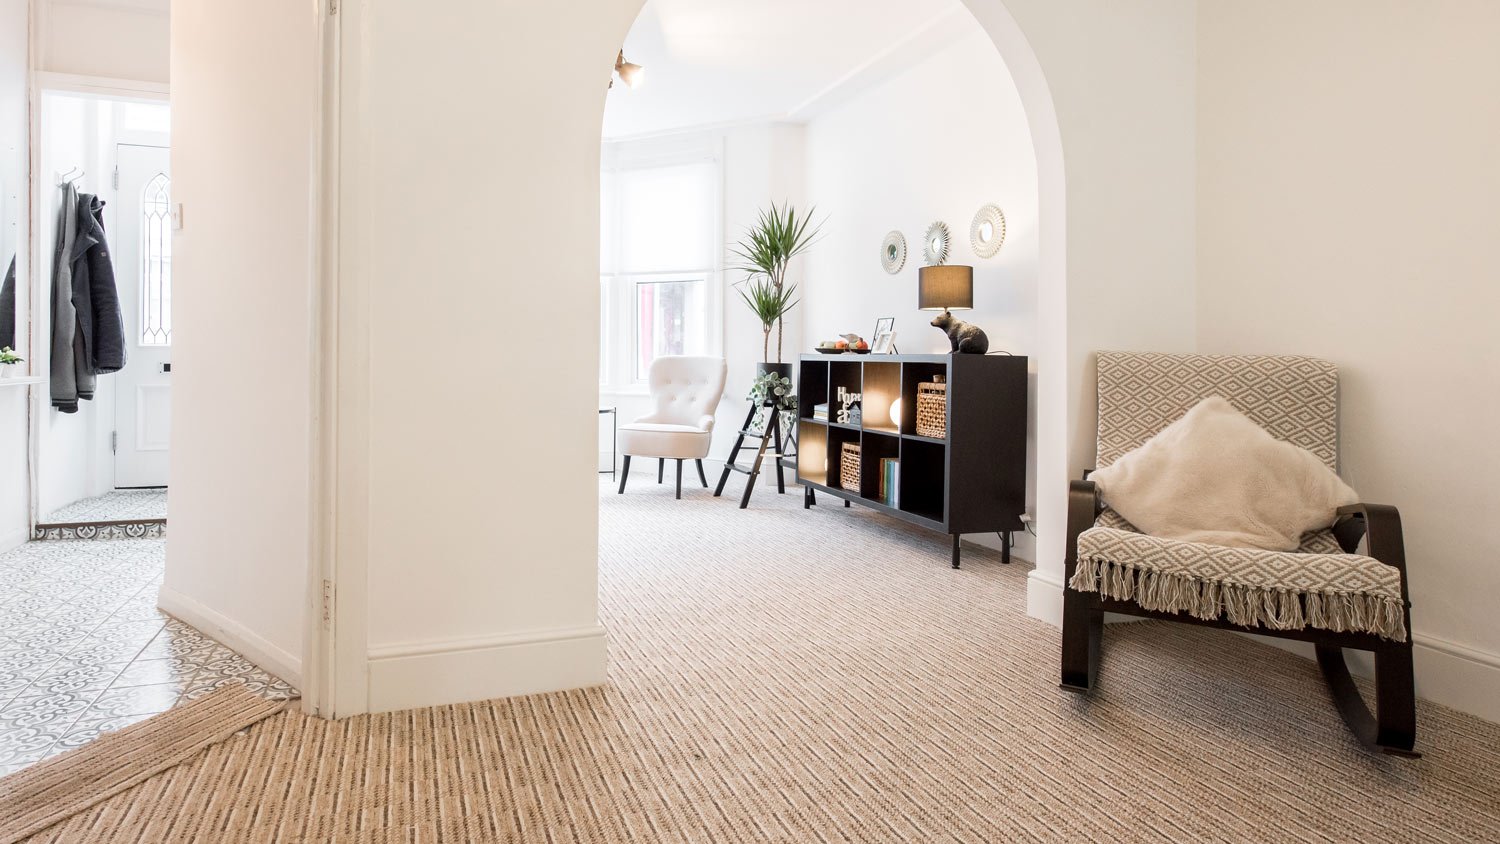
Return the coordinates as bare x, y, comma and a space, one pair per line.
932, 410
849, 467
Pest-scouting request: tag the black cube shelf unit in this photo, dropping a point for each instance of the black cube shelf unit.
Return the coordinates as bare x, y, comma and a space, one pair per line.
973, 480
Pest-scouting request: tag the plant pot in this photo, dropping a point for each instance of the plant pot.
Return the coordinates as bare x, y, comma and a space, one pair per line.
782, 369
9, 370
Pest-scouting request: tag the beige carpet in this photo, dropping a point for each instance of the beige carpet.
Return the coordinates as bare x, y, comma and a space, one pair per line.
786, 676
63, 786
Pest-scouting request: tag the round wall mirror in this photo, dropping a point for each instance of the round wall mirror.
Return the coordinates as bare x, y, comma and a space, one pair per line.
935, 244
893, 252
987, 232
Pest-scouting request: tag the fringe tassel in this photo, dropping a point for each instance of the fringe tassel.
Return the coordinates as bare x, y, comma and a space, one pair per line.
1246, 606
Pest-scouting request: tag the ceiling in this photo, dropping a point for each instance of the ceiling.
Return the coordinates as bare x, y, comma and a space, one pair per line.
712, 62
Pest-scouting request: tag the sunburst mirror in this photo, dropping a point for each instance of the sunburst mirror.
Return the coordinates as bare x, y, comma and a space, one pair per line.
935, 244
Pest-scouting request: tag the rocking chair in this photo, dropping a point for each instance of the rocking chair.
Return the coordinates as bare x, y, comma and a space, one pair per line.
1324, 592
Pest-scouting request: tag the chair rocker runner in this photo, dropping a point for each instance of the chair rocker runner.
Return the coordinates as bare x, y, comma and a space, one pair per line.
1334, 597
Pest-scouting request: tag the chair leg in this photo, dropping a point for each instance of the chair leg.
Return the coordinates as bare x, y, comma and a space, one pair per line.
1083, 630
1393, 727
661, 469
679, 479
701, 477
624, 473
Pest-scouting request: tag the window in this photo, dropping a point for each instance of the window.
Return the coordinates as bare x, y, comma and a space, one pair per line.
660, 233
156, 262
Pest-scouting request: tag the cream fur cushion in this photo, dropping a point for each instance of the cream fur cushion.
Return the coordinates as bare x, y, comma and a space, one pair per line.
1215, 476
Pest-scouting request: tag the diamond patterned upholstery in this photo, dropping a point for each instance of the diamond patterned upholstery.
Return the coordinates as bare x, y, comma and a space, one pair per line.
1140, 393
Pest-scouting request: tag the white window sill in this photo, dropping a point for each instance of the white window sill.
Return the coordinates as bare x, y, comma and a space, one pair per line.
627, 392
13, 381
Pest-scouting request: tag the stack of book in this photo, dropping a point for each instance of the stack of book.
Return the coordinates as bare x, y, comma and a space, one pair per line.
820, 412
890, 481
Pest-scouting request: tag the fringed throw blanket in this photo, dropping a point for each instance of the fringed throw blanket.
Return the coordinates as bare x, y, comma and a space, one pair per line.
1279, 590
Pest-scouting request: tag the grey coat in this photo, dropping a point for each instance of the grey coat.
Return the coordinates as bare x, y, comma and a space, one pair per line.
95, 345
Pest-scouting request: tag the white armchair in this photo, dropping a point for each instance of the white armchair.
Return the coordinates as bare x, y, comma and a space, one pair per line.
686, 391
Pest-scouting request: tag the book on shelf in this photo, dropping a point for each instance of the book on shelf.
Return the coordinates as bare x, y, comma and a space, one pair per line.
890, 481
820, 412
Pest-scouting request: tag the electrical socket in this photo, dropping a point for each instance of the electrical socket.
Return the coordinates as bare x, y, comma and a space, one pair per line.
1026, 519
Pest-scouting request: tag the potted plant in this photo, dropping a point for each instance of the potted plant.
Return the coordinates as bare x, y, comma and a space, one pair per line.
764, 254
8, 361
773, 388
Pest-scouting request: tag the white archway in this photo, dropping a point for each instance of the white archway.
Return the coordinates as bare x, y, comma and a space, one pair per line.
505, 169
1051, 353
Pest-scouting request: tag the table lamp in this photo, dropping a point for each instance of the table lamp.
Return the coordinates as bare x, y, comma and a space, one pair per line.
944, 288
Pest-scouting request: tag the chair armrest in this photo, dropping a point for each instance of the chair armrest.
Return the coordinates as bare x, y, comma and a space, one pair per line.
706, 422
1084, 507
1381, 525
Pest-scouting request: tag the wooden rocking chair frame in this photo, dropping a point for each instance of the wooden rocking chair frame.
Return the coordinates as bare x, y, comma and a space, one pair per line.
1391, 729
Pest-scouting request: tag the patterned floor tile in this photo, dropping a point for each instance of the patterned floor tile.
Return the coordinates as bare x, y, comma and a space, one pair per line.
149, 672
114, 505
135, 700
73, 678
83, 649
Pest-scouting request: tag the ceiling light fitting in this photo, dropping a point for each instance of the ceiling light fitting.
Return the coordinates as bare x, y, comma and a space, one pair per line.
630, 73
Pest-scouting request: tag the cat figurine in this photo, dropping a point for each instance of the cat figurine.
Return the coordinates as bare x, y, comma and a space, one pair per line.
966, 338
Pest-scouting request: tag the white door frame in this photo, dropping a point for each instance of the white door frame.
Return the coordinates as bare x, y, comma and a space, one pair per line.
335, 666
43, 82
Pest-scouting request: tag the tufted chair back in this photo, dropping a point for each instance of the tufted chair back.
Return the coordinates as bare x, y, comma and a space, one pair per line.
685, 389
1294, 398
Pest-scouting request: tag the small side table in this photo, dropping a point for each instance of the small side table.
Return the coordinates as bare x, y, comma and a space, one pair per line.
614, 438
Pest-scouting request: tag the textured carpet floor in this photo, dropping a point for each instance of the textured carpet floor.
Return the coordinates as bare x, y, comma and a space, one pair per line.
824, 676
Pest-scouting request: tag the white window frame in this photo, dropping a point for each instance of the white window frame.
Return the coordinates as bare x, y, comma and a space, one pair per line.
616, 290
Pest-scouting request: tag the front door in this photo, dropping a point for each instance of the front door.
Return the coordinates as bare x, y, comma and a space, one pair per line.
143, 271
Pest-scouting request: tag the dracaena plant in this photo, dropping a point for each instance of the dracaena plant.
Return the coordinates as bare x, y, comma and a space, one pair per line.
764, 255
770, 305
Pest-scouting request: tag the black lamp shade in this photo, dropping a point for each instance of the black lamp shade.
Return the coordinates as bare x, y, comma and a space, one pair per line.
945, 288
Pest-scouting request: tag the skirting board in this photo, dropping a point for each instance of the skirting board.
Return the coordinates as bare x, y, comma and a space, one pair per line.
413, 675
231, 634
1044, 597
1449, 673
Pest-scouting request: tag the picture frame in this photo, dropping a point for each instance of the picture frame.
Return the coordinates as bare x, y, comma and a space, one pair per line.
885, 343
882, 325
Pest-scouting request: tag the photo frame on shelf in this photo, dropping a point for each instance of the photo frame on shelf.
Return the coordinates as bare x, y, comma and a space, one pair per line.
882, 325
885, 343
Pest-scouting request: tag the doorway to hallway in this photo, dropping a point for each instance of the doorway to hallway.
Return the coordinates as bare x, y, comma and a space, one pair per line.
103, 463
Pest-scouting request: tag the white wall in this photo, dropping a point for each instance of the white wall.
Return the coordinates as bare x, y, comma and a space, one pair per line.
478, 246
117, 39
242, 156
1347, 210
871, 173
761, 164
15, 492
